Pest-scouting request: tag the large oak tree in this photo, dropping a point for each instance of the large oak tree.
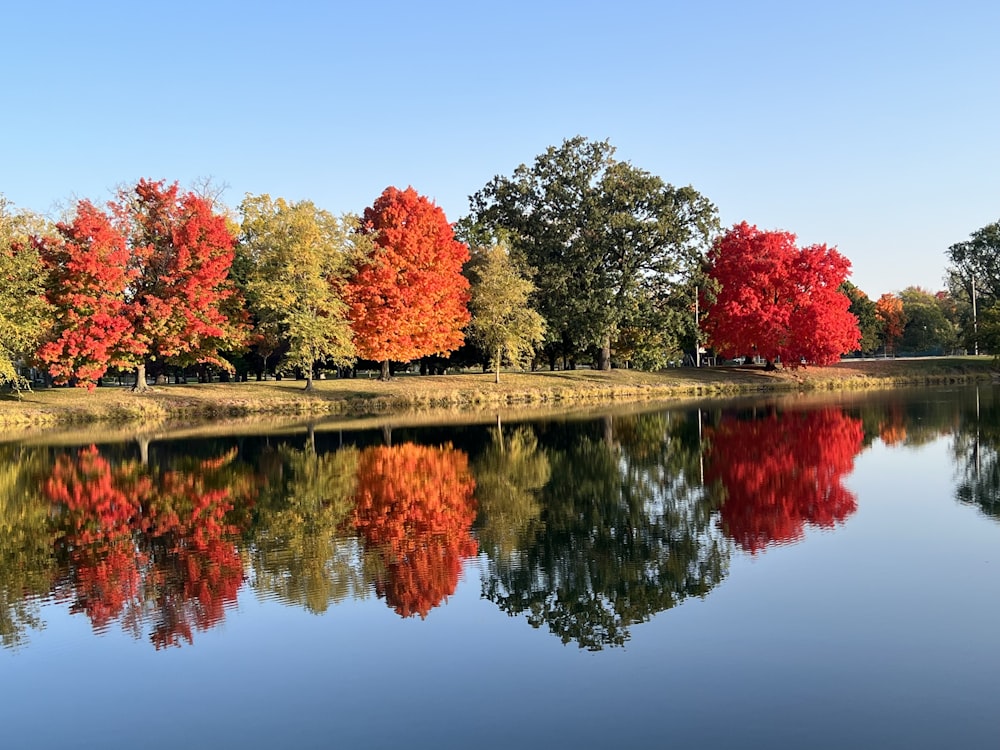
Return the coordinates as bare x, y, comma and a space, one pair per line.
615, 247
408, 298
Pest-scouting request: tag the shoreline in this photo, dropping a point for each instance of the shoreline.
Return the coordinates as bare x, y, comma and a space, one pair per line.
117, 406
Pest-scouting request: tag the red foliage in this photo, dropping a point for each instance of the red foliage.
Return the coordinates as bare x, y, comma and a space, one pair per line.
142, 545
415, 509
150, 280
409, 299
783, 472
90, 277
778, 301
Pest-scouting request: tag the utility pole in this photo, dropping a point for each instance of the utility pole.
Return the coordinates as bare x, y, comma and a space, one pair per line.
975, 320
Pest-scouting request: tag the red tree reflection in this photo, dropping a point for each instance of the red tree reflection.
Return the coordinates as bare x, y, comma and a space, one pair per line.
414, 510
783, 472
150, 546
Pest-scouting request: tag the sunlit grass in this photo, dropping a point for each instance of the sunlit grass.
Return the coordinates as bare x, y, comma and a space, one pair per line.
468, 391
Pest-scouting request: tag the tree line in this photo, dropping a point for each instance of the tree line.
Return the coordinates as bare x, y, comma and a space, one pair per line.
577, 258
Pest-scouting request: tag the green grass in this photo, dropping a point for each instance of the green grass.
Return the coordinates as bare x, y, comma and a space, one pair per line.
466, 392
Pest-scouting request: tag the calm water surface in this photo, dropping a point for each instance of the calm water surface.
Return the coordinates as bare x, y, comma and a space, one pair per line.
780, 574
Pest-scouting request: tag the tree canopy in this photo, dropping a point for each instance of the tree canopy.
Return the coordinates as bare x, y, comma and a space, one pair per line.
297, 260
408, 297
778, 301
614, 246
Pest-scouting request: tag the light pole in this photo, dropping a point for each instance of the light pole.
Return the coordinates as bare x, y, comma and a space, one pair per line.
975, 321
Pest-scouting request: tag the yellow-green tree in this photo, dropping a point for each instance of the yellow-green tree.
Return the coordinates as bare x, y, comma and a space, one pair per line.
510, 473
503, 323
23, 311
304, 549
296, 257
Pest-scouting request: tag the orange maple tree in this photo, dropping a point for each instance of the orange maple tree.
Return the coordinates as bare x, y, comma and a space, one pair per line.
415, 510
889, 311
783, 472
777, 300
409, 298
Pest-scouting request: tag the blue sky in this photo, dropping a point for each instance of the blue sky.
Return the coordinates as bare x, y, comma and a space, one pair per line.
871, 126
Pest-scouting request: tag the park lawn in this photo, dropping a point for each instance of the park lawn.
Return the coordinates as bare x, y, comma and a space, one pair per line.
466, 391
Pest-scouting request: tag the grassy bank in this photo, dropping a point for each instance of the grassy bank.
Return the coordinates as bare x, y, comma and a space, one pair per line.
468, 391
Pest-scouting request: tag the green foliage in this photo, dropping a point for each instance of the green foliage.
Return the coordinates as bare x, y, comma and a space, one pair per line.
294, 259
23, 310
977, 260
864, 309
927, 328
502, 322
611, 243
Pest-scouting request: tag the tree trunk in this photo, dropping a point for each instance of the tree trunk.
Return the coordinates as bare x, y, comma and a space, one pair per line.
604, 355
140, 379
384, 375
309, 379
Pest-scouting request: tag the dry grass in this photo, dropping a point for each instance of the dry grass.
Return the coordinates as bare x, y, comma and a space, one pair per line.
467, 392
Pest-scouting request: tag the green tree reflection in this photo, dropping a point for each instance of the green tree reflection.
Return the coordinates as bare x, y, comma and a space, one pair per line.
27, 570
626, 533
302, 549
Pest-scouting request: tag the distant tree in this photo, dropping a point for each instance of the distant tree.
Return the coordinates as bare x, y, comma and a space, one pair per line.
605, 238
927, 328
892, 319
778, 301
502, 321
865, 311
298, 259
408, 297
24, 314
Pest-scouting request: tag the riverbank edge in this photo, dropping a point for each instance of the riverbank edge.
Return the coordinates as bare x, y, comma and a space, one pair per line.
52, 408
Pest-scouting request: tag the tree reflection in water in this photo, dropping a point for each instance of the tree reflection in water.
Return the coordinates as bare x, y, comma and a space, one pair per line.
625, 532
781, 472
147, 546
414, 510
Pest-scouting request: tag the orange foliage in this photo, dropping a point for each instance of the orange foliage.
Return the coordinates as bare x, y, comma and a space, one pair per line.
783, 472
415, 509
409, 299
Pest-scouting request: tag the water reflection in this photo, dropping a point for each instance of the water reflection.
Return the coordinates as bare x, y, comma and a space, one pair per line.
582, 528
781, 472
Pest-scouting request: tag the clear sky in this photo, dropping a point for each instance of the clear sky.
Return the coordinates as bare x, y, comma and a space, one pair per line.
871, 126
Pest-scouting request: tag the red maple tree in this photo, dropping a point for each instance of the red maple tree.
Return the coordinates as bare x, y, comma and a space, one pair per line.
415, 509
147, 281
783, 472
409, 298
778, 301
89, 278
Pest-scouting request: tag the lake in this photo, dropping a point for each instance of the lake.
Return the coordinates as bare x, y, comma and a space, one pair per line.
791, 572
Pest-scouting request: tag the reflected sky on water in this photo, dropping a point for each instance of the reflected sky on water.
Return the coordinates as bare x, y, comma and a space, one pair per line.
772, 573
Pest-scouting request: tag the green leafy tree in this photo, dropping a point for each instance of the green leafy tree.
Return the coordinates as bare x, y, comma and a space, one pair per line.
864, 309
976, 261
296, 259
927, 328
502, 321
23, 310
605, 238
